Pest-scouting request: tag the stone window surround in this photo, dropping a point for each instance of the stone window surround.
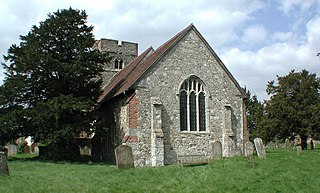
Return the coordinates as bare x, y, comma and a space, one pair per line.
198, 88
118, 64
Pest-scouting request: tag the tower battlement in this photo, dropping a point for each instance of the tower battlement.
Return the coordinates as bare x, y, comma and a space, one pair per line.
121, 53
117, 46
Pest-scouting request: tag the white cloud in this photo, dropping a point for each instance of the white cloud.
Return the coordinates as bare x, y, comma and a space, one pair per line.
255, 69
288, 6
313, 34
254, 35
282, 36
254, 52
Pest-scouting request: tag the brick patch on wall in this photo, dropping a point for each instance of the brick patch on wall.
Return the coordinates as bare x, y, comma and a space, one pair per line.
133, 112
127, 138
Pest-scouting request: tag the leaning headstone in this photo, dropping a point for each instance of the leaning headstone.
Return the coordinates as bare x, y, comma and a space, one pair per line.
259, 147
248, 149
287, 144
4, 170
217, 150
124, 157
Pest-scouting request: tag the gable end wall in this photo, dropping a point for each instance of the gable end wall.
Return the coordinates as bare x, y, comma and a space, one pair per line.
190, 57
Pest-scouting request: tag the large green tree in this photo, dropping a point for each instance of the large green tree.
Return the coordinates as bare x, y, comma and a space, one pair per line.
294, 105
255, 111
52, 81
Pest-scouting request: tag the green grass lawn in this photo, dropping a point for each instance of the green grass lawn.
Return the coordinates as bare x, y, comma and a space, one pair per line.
281, 171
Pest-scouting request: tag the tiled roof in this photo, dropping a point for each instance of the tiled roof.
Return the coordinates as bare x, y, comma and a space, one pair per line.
129, 75
119, 83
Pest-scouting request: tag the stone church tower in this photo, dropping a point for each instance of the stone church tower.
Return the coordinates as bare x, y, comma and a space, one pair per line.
121, 52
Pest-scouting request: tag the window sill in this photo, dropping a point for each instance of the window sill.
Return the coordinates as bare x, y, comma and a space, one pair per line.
194, 132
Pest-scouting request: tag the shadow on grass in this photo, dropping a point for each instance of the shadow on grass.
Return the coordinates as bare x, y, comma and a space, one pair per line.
23, 157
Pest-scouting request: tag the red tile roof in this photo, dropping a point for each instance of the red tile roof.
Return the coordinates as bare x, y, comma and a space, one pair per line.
129, 75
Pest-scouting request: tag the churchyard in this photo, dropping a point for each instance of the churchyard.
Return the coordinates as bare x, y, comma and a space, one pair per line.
280, 170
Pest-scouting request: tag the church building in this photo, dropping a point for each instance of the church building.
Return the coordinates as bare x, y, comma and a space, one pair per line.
169, 105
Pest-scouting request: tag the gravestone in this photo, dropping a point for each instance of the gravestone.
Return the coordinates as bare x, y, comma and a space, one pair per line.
287, 144
217, 150
248, 152
34, 148
124, 157
248, 149
272, 145
85, 150
12, 149
259, 147
4, 170
298, 144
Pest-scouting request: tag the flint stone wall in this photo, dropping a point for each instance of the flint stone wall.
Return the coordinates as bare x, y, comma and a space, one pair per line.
189, 57
124, 50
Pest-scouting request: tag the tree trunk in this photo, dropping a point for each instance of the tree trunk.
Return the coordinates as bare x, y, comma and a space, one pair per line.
4, 170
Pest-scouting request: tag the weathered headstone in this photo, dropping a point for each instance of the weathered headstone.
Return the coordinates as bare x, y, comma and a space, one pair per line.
217, 150
287, 144
34, 148
85, 151
12, 149
4, 170
124, 157
272, 145
298, 144
259, 147
248, 149
248, 152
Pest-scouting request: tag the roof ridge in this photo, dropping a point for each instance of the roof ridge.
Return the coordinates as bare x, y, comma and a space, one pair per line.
161, 50
176, 36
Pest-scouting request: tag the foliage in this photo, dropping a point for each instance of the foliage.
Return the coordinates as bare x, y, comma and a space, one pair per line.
254, 114
52, 80
294, 106
280, 171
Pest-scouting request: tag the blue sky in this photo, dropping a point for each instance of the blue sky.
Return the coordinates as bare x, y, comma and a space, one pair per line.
256, 39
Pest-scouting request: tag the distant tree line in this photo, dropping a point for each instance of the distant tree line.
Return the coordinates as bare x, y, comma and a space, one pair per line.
293, 108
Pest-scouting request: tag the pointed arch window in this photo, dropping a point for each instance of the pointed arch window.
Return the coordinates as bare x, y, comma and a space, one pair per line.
118, 64
192, 100
121, 64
